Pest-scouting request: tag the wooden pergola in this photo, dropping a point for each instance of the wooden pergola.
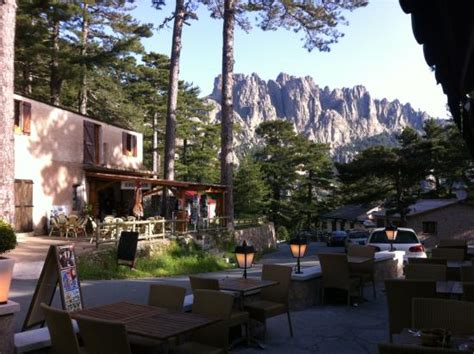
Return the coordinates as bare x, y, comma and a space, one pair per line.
100, 178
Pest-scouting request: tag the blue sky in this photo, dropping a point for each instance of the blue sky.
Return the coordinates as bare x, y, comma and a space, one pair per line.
377, 51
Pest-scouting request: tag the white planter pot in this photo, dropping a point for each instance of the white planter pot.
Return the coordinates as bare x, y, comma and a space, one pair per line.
6, 271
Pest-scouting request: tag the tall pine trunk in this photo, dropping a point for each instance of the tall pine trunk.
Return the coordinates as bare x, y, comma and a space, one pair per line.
155, 155
84, 38
170, 137
227, 116
55, 77
7, 144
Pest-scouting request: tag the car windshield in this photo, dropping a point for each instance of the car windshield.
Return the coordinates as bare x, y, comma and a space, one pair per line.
339, 234
358, 234
402, 237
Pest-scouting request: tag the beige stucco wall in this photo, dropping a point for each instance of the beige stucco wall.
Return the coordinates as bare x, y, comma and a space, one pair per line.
52, 156
455, 221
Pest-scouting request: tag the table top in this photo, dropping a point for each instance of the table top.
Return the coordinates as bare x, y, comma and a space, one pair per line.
244, 285
148, 321
455, 342
354, 259
449, 287
458, 264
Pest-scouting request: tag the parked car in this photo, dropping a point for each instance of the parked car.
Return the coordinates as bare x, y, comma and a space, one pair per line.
357, 237
406, 240
336, 238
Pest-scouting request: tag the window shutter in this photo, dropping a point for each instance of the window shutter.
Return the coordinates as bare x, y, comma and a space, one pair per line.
134, 145
89, 142
124, 143
16, 117
26, 118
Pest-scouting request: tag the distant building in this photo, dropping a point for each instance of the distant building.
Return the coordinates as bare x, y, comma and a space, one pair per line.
349, 216
441, 218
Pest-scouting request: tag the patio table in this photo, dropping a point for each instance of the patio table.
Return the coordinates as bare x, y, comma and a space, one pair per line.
449, 288
406, 338
458, 264
358, 260
149, 321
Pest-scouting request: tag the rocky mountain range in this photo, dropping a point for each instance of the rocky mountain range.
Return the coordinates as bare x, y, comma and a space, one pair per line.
348, 119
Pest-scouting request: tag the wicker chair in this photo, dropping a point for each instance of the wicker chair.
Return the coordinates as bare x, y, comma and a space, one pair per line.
467, 274
336, 275
400, 293
413, 349
237, 318
103, 336
57, 227
274, 299
366, 270
450, 254
435, 272
214, 338
63, 337
412, 260
468, 291
441, 313
170, 297
71, 225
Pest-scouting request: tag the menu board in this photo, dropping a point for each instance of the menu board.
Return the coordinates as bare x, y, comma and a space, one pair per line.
68, 280
59, 268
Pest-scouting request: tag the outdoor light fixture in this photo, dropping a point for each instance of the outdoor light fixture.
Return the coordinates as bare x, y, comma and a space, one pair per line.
6, 270
244, 255
298, 248
391, 233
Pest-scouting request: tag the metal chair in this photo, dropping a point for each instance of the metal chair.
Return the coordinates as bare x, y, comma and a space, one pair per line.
274, 299
413, 349
61, 330
170, 297
400, 293
366, 270
102, 336
336, 275
442, 313
211, 339
435, 272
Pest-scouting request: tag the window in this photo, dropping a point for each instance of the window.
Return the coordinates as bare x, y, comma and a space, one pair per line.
430, 227
92, 138
129, 144
22, 118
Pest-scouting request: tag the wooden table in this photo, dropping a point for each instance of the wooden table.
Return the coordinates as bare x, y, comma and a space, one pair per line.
409, 339
245, 285
449, 288
149, 321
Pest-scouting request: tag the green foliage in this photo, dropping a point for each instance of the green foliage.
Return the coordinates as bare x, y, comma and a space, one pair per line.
282, 233
7, 237
175, 261
251, 192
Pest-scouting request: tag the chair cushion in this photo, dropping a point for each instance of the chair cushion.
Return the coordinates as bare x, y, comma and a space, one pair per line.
196, 348
265, 308
238, 318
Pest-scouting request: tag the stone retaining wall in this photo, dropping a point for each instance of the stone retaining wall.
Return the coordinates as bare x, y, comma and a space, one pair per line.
261, 237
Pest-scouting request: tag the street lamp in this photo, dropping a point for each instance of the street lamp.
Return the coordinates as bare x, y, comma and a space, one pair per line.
391, 233
298, 250
244, 255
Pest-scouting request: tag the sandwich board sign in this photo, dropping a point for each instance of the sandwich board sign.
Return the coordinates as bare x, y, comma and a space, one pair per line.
59, 269
127, 248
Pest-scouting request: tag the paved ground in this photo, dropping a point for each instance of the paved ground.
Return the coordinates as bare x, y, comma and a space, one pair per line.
322, 329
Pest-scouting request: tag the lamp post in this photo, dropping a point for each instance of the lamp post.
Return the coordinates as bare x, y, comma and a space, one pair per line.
298, 250
391, 233
244, 255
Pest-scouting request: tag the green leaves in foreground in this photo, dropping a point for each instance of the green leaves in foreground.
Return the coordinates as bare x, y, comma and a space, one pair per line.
175, 261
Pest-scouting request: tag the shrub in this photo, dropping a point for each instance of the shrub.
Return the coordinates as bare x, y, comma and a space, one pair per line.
282, 233
7, 237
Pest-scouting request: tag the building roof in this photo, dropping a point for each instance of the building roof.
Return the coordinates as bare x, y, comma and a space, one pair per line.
445, 28
423, 206
351, 212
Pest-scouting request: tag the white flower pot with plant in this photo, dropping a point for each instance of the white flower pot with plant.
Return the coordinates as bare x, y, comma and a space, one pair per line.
7, 243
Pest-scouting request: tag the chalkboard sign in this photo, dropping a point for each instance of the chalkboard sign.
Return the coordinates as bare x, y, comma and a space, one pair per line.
59, 268
127, 248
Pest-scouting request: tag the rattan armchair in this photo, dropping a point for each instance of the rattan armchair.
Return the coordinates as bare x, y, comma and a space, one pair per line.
400, 293
450, 254
274, 299
336, 275
61, 330
103, 336
435, 272
211, 339
366, 270
441, 313
170, 297
237, 317
413, 349
71, 225
467, 274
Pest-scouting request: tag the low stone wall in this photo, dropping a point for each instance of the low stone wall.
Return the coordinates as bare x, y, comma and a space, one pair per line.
261, 237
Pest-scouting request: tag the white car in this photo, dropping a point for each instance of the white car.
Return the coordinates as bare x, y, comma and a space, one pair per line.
406, 240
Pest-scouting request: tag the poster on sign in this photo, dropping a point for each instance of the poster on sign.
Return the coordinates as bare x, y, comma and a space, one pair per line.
68, 279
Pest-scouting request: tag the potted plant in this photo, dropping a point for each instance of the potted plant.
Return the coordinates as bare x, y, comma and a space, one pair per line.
7, 243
